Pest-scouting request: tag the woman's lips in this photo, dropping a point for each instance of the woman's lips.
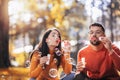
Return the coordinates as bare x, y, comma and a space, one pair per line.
57, 41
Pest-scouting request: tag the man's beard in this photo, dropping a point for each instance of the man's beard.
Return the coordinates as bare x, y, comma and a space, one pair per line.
95, 42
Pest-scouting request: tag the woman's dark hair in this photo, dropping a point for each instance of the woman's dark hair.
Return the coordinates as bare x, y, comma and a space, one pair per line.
43, 47
98, 25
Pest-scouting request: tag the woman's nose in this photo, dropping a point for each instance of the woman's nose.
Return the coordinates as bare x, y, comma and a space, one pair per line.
56, 37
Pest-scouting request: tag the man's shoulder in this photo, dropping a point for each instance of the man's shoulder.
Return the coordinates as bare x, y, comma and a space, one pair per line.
85, 48
114, 46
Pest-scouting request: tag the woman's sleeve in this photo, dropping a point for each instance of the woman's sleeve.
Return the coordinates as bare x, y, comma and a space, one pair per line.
66, 63
35, 67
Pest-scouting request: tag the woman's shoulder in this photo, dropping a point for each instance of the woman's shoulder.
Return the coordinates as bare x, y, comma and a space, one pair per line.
35, 53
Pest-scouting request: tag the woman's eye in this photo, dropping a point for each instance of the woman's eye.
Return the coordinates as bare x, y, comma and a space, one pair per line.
53, 35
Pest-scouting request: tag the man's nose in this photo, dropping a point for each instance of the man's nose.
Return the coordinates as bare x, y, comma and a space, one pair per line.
94, 33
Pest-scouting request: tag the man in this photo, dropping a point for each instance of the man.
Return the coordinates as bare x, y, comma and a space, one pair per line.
101, 58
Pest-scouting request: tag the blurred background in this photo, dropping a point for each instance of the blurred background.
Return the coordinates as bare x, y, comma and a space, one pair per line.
22, 22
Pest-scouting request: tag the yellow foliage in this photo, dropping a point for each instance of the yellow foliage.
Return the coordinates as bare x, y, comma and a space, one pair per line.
31, 5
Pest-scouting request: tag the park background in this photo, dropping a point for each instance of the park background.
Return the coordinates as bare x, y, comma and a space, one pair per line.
22, 23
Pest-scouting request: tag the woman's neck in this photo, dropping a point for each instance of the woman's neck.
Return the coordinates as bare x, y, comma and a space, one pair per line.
51, 50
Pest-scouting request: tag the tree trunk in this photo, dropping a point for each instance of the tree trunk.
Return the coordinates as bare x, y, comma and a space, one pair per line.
4, 37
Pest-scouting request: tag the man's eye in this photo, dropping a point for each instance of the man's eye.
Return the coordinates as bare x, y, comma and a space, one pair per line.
98, 32
90, 32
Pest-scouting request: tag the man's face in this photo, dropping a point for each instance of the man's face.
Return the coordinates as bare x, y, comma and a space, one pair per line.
94, 34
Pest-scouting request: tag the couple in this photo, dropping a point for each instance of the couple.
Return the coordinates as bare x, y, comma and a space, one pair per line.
100, 59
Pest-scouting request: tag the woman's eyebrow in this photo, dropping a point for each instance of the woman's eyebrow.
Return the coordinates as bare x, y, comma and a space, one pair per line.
55, 33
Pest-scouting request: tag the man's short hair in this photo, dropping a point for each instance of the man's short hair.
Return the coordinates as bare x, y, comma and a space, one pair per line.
97, 25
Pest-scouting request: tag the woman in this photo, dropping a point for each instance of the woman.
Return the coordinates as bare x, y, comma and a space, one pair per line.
43, 67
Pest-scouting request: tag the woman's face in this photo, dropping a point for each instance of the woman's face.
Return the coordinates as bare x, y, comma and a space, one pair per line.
53, 38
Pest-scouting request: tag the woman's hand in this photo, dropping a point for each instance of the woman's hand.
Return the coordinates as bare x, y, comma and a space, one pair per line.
43, 60
66, 46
